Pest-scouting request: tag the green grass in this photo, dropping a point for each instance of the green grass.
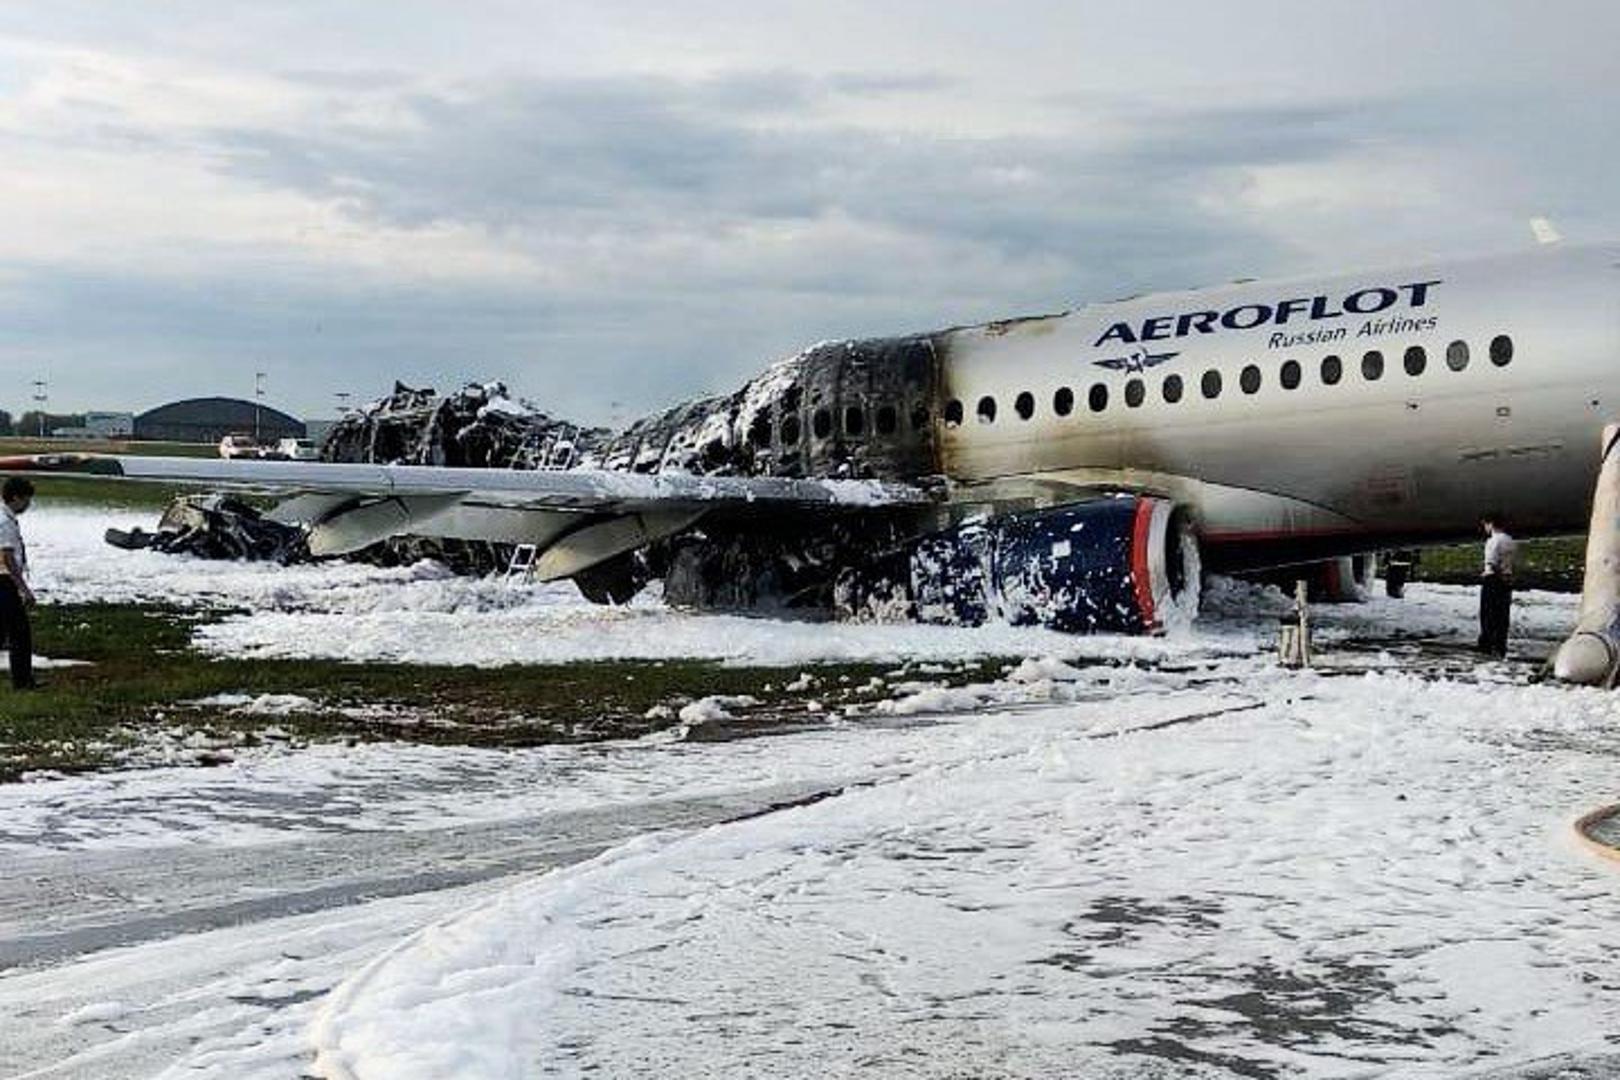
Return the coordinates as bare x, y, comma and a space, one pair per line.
96, 491
19, 444
1552, 562
144, 668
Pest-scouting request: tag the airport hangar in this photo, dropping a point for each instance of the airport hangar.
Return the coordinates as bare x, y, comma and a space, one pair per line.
209, 419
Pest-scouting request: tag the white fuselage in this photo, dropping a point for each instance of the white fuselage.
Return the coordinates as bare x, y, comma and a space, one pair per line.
1415, 451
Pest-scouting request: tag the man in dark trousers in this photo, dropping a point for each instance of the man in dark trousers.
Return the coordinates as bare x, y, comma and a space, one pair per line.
1496, 586
16, 495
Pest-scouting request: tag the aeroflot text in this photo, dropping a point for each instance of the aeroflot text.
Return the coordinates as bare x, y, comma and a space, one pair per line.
1250, 316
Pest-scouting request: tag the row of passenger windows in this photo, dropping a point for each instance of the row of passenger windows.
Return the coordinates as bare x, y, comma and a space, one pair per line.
886, 418
885, 421
1290, 376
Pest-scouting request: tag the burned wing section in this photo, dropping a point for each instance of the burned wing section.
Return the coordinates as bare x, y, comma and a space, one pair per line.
847, 409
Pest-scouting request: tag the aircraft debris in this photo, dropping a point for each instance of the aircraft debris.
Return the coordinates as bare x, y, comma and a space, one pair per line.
217, 527
478, 426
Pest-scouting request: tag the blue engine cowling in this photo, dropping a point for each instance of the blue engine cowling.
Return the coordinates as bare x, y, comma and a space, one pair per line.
1124, 564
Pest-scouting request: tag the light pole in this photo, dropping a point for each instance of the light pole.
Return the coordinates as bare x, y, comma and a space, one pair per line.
258, 402
41, 396
343, 401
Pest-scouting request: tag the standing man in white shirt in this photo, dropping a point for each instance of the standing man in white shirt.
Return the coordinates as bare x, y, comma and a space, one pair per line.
16, 495
1496, 586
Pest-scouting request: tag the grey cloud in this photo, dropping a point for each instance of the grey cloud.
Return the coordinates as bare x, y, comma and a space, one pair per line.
940, 230
552, 155
889, 85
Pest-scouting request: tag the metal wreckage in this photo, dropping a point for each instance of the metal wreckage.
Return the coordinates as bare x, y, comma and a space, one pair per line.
479, 426
753, 432
858, 410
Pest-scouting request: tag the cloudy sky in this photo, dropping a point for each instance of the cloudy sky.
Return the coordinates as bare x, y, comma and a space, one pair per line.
612, 205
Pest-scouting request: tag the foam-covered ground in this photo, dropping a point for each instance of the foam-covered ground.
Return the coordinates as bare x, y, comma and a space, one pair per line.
1195, 865
423, 614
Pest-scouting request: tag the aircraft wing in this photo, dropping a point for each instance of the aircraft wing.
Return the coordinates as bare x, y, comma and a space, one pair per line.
576, 516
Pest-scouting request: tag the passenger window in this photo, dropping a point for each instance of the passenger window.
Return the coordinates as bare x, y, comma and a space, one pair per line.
1289, 375
854, 421
953, 414
987, 410
1063, 401
821, 423
1172, 388
1249, 381
1135, 393
1098, 398
1211, 384
1372, 366
1332, 370
790, 430
919, 418
1457, 355
887, 420
1415, 360
1025, 405
1501, 350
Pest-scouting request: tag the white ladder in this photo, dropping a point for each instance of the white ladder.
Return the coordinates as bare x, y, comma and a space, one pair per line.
522, 564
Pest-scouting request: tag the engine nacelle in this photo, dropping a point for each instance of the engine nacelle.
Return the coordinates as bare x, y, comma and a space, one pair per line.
1125, 564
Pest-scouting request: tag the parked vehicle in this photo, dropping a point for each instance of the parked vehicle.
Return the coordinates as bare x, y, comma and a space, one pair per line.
298, 450
237, 445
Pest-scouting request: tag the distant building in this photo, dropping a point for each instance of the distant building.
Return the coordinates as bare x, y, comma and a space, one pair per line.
207, 420
110, 425
319, 429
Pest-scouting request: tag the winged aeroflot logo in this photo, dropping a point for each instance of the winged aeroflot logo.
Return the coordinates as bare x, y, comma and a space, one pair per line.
1137, 362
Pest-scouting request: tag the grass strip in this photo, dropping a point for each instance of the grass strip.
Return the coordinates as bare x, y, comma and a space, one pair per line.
143, 669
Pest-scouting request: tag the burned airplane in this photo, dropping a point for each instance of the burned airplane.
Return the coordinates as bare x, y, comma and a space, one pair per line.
1073, 471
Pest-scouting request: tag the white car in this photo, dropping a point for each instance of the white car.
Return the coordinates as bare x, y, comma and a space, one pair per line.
298, 450
239, 446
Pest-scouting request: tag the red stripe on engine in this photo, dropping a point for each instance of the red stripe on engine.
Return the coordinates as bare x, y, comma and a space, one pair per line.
1141, 575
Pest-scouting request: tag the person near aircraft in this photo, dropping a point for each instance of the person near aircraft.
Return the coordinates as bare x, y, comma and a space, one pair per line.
1496, 585
15, 596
